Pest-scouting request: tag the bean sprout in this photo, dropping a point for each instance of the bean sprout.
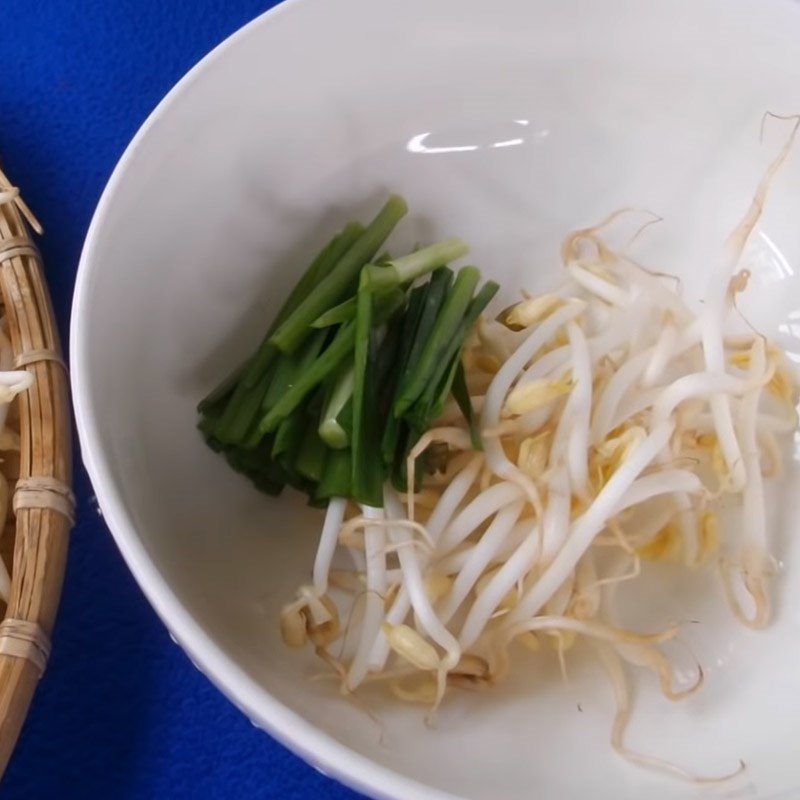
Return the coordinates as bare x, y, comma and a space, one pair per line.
614, 418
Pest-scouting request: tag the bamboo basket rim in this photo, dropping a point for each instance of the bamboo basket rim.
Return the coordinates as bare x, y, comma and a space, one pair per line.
43, 504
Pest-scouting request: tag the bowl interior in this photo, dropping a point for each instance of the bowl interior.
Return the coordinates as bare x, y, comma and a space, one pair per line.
509, 124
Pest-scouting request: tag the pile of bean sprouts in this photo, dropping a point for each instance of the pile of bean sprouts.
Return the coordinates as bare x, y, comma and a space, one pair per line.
12, 382
614, 419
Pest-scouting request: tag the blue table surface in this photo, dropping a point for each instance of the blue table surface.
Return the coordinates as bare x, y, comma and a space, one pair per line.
120, 712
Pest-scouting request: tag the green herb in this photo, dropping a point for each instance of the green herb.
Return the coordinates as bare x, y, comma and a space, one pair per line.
356, 366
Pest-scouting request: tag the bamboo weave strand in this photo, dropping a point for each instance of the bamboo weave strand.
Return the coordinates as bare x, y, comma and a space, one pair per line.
43, 501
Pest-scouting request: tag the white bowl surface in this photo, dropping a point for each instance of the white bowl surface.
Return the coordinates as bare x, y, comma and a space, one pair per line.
509, 123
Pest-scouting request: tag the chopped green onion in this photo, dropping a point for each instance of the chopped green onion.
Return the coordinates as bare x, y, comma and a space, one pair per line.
318, 271
367, 476
343, 385
223, 390
336, 478
288, 436
461, 395
251, 369
404, 270
391, 433
431, 402
328, 292
344, 312
441, 336
242, 408
310, 461
431, 304
330, 428
325, 364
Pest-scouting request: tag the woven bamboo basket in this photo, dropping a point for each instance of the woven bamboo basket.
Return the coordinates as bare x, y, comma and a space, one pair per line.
41, 505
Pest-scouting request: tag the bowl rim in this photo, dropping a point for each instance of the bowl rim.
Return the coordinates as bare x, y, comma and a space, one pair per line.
319, 749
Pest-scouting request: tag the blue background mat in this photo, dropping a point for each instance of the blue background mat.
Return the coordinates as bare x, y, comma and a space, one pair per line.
121, 712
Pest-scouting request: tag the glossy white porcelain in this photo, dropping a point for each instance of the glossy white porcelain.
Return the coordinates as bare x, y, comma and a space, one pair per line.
509, 123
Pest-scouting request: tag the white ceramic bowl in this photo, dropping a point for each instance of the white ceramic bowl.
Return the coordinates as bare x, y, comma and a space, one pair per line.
509, 123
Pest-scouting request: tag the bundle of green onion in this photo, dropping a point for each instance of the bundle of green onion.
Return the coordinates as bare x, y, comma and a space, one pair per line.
359, 360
